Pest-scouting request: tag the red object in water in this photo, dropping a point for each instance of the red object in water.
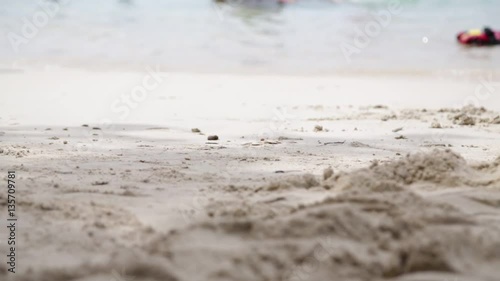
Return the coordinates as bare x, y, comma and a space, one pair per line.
478, 37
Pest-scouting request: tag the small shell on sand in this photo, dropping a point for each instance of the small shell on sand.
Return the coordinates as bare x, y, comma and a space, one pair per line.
436, 125
318, 128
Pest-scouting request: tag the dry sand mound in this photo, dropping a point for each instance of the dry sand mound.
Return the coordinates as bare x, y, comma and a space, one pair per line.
439, 169
376, 228
353, 237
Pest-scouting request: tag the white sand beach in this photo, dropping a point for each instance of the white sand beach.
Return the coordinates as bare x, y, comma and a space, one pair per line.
346, 177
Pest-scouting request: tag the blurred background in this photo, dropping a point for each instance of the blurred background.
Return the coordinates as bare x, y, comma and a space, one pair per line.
257, 36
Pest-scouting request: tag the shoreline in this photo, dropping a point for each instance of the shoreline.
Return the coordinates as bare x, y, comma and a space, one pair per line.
70, 98
449, 72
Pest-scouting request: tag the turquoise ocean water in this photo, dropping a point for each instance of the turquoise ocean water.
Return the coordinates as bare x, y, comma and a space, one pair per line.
306, 36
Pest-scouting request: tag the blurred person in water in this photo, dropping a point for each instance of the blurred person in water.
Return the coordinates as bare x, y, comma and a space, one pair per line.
478, 37
256, 2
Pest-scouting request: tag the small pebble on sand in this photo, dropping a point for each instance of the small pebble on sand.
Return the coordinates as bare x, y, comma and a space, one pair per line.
213, 137
318, 128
